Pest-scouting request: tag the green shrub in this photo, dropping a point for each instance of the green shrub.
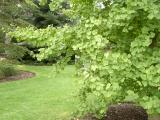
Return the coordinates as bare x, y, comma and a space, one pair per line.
6, 70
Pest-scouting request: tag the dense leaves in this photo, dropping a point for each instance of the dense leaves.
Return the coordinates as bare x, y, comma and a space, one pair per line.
116, 44
13, 52
14, 12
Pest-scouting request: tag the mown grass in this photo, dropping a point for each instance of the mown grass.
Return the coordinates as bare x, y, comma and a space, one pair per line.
47, 96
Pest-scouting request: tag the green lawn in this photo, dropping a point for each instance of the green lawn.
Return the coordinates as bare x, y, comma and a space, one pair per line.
48, 96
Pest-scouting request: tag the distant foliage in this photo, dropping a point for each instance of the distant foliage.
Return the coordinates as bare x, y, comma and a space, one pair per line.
13, 12
41, 16
13, 52
117, 47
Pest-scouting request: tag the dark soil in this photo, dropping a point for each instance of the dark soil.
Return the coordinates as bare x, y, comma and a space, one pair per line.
21, 75
126, 111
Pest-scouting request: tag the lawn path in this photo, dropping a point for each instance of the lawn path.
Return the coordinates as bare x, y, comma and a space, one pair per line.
45, 97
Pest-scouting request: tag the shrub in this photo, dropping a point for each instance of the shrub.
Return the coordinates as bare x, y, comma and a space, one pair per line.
6, 70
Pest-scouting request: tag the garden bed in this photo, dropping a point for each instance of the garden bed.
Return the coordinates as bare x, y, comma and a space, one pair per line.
19, 76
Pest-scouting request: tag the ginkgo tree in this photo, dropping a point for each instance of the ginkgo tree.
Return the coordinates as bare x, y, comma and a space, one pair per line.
117, 46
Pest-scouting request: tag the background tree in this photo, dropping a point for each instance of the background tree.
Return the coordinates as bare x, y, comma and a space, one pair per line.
27, 13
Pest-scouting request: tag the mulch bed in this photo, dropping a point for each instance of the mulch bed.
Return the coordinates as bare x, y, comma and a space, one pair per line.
21, 75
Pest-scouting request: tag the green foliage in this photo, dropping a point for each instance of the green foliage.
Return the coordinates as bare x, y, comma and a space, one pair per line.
43, 2
6, 70
24, 13
12, 51
29, 12
42, 16
45, 40
13, 12
117, 50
